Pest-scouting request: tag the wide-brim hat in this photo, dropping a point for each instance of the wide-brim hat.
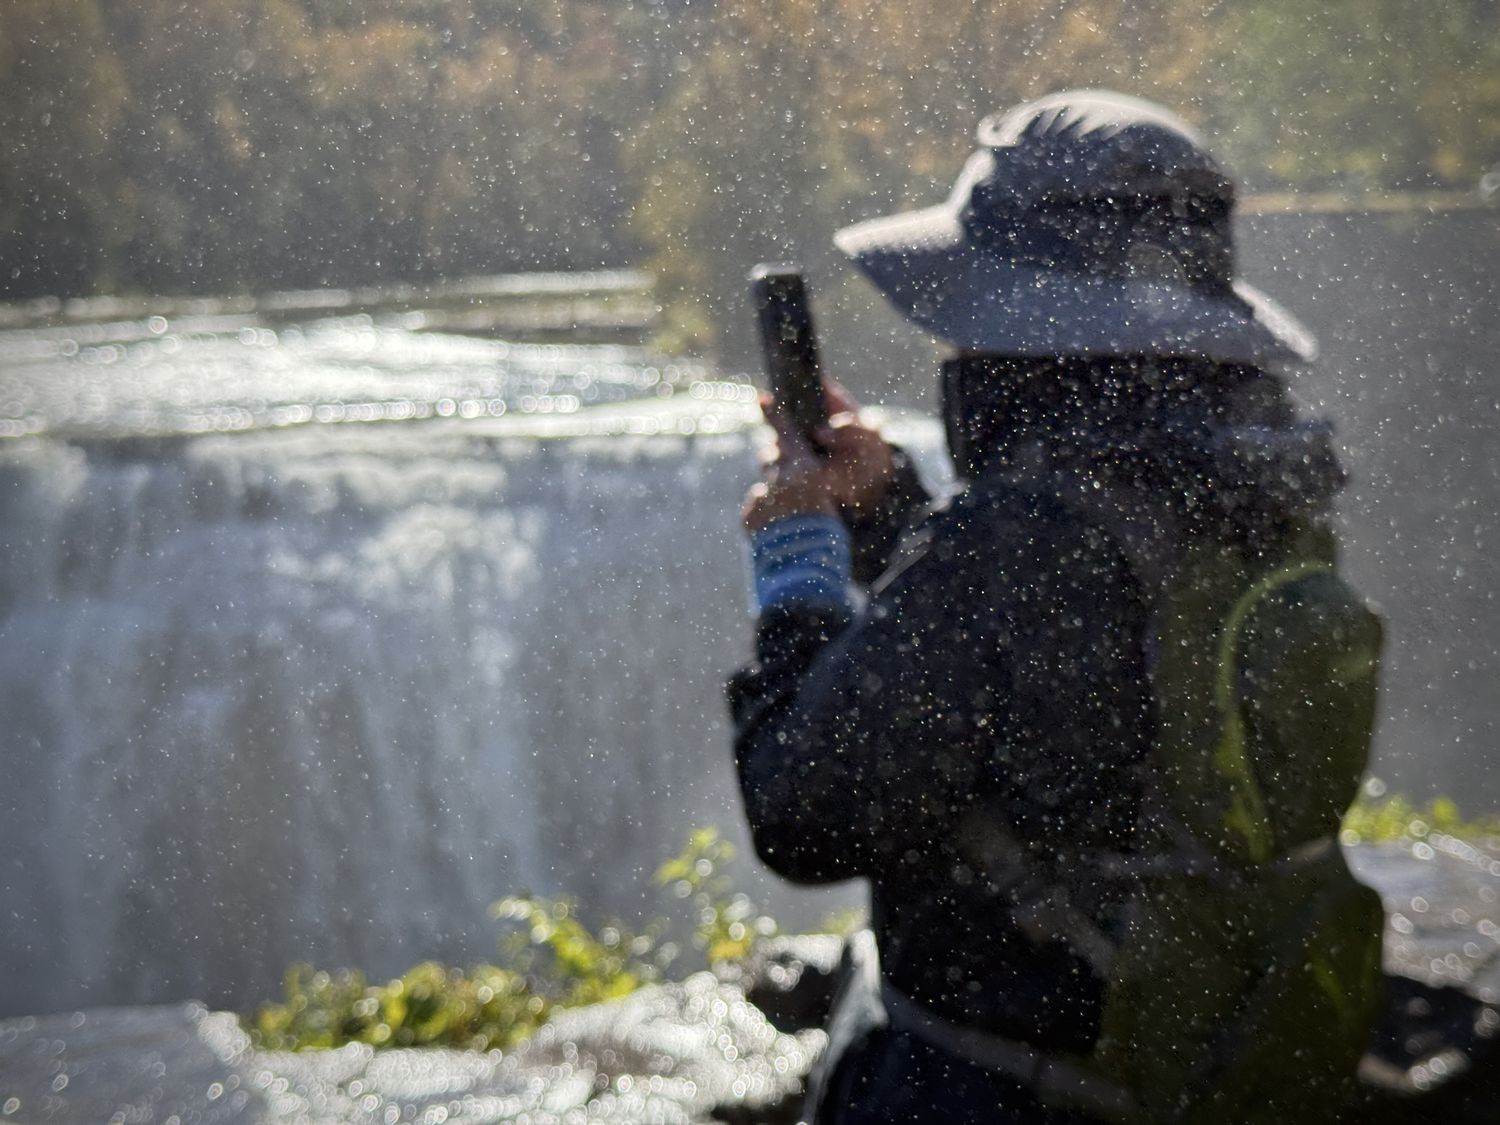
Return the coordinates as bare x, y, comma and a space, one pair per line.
1088, 223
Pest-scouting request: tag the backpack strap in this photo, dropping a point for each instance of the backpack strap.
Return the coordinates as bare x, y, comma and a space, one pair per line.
1247, 816
1056, 1079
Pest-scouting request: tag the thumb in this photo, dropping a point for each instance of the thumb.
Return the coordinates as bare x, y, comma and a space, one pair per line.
840, 401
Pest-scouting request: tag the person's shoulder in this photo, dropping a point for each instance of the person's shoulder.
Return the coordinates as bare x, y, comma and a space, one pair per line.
1011, 517
993, 509
1024, 539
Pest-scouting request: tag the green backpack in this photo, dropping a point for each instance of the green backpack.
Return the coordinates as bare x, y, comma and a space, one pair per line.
1246, 985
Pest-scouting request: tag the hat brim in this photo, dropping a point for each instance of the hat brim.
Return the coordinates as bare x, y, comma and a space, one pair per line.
925, 265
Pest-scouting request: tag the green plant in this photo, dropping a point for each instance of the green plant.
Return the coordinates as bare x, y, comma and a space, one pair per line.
564, 960
726, 924
429, 1005
549, 959
1381, 817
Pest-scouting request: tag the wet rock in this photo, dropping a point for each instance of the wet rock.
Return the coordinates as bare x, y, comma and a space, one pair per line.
683, 1053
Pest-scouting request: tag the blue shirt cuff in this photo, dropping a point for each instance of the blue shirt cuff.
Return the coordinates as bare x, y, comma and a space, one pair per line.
801, 560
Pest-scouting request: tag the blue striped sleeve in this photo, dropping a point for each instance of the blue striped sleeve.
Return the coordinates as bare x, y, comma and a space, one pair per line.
801, 560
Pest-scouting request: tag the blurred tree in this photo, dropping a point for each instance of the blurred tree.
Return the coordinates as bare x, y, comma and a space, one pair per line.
62, 101
1358, 95
804, 114
159, 145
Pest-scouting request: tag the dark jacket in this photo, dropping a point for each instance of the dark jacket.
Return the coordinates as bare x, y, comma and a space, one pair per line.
997, 674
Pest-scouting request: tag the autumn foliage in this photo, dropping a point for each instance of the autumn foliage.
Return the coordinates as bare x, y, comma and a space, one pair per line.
219, 145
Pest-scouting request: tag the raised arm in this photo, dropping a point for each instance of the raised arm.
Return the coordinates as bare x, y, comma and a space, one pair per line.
857, 730
983, 676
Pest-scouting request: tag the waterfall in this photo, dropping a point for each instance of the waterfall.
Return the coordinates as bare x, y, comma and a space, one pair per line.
325, 693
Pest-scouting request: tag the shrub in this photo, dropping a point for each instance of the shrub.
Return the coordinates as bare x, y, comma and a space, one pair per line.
1378, 817
548, 959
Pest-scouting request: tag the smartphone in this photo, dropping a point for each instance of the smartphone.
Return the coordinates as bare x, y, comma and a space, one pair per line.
791, 350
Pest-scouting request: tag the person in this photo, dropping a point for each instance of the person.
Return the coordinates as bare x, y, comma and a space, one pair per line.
1089, 726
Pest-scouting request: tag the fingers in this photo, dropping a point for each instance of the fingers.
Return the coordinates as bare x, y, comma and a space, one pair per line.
854, 473
792, 446
842, 432
840, 401
860, 462
784, 496
846, 434
835, 394
752, 512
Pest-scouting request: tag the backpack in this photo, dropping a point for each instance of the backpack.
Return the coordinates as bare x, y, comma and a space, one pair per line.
1248, 976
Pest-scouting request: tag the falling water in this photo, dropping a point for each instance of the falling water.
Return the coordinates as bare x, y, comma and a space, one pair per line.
323, 692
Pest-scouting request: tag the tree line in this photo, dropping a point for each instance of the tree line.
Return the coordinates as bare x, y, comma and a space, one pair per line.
225, 145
